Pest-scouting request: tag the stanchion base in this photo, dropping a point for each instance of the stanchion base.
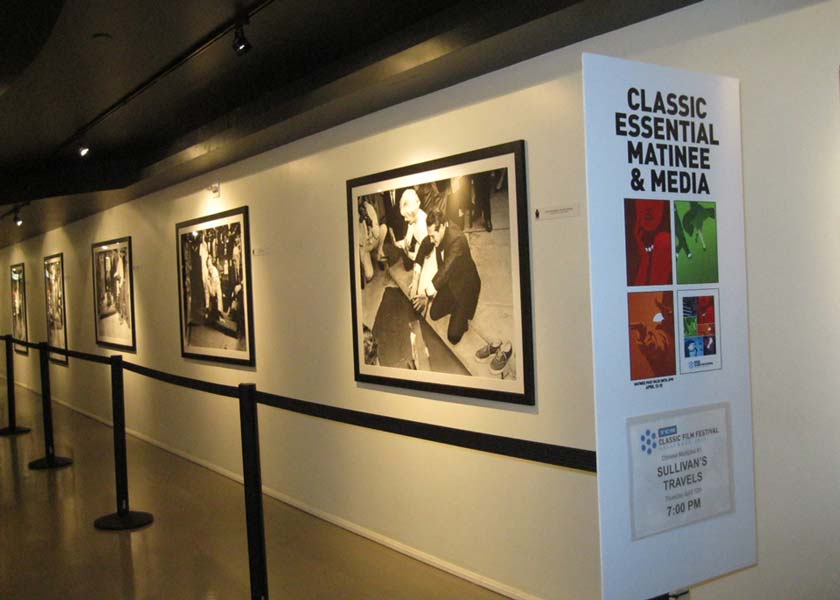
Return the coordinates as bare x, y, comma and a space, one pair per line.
8, 431
56, 462
129, 520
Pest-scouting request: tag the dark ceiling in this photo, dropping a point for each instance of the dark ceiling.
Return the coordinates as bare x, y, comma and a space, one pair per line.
156, 91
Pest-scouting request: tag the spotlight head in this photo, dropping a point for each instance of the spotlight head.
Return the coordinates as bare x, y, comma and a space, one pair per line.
83, 150
241, 45
18, 220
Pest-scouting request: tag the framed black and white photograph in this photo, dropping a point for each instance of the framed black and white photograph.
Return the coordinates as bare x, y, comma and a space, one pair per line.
440, 276
113, 294
214, 288
56, 307
20, 327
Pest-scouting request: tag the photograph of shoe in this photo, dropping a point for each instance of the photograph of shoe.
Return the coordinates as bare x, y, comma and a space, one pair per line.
501, 359
488, 351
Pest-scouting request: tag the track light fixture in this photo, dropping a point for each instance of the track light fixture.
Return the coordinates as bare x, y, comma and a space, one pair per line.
14, 212
83, 150
241, 45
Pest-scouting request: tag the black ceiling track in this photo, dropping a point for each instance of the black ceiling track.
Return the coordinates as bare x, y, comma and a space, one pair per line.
454, 44
173, 65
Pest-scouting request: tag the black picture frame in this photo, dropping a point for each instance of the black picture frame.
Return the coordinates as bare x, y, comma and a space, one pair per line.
209, 330
442, 349
112, 266
20, 324
55, 303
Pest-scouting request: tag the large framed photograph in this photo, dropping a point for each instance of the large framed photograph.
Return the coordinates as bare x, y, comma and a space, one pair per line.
20, 326
113, 294
440, 276
214, 288
56, 308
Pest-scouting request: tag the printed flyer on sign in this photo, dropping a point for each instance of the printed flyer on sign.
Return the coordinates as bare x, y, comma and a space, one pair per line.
680, 468
700, 333
669, 326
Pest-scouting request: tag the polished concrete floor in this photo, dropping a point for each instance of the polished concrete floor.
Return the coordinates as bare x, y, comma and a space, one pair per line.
196, 548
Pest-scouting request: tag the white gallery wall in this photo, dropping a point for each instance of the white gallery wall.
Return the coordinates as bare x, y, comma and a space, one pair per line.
525, 529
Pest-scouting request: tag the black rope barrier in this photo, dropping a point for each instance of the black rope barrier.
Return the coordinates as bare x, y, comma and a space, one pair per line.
13, 428
18, 342
187, 382
552, 454
542, 452
252, 476
249, 397
50, 460
123, 518
102, 360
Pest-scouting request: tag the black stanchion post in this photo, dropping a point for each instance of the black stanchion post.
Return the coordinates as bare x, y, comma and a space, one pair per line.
123, 518
13, 428
50, 461
253, 490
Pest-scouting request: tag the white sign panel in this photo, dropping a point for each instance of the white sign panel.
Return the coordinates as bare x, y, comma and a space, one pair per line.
669, 323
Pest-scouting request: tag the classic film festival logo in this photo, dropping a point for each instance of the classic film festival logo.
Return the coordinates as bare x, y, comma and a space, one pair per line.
668, 437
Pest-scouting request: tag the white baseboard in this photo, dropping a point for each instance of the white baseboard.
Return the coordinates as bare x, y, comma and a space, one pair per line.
186, 456
24, 386
83, 412
443, 565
